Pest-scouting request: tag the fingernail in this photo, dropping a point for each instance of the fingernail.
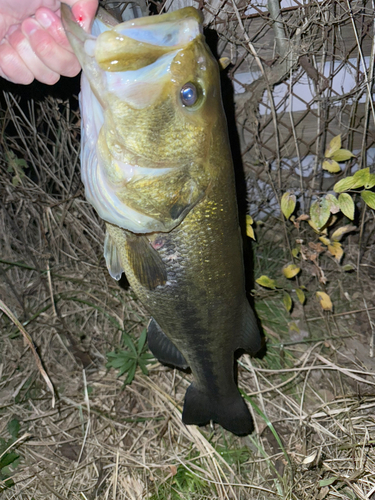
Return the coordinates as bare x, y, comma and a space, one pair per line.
12, 29
30, 26
44, 18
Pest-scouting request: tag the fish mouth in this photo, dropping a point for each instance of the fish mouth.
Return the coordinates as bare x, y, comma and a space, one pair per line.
135, 44
131, 60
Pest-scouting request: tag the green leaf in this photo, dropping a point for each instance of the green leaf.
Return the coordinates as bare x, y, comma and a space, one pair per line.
346, 205
333, 203
300, 295
288, 204
370, 181
362, 176
142, 340
296, 251
338, 234
148, 356
293, 327
331, 166
334, 146
143, 366
328, 481
129, 343
14, 428
291, 271
320, 212
131, 374
342, 155
359, 179
126, 361
8, 483
249, 228
346, 184
16, 164
8, 459
369, 198
348, 267
124, 368
287, 301
266, 282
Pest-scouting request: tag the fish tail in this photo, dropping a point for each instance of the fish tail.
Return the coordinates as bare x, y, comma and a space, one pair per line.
230, 412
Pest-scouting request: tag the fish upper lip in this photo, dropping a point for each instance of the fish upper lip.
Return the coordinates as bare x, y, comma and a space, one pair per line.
132, 46
170, 22
170, 35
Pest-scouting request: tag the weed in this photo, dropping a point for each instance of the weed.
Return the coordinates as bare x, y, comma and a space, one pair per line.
8, 459
127, 361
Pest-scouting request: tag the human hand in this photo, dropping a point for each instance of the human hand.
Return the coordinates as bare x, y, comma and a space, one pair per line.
33, 42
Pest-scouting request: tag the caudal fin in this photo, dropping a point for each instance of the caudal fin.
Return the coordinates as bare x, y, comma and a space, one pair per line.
230, 412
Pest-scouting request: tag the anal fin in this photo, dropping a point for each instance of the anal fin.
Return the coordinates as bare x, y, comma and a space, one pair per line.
145, 262
163, 348
250, 339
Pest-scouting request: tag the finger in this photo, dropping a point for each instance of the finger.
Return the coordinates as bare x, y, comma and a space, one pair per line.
51, 53
22, 46
84, 11
51, 22
12, 67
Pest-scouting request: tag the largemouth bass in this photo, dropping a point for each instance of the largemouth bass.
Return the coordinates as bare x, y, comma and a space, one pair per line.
157, 168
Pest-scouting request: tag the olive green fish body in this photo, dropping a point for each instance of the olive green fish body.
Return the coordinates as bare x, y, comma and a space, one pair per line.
157, 167
202, 307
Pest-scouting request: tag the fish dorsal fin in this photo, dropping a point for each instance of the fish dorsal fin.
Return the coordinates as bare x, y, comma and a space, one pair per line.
112, 257
144, 261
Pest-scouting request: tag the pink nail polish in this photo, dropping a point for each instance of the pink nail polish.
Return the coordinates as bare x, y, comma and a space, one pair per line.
80, 16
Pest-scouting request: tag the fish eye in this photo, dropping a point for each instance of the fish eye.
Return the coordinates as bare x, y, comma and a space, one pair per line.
189, 94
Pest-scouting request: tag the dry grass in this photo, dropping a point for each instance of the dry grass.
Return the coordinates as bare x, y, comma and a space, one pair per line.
105, 441
312, 395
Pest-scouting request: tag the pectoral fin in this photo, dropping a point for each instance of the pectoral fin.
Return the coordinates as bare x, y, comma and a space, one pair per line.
112, 257
144, 261
162, 348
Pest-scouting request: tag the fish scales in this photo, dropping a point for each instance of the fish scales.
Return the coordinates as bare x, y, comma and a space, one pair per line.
169, 202
204, 279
